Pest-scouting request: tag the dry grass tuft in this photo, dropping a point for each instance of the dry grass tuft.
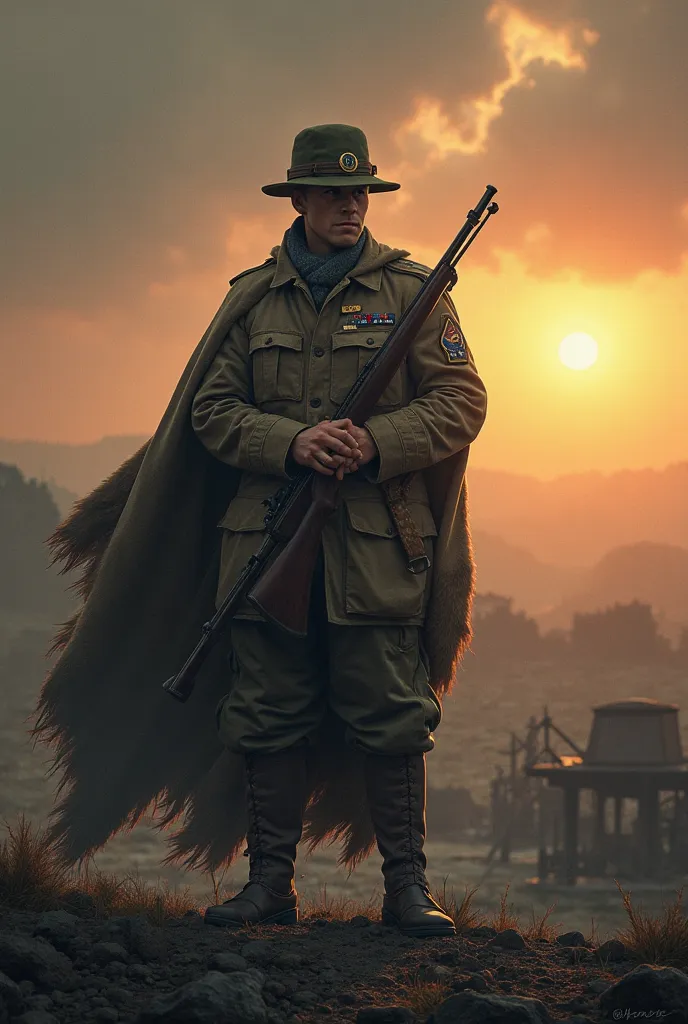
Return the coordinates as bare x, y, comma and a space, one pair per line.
594, 936
657, 940
133, 896
505, 916
33, 877
339, 908
463, 914
539, 927
423, 998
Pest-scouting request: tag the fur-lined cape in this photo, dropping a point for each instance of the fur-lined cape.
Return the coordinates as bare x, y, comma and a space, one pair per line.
147, 545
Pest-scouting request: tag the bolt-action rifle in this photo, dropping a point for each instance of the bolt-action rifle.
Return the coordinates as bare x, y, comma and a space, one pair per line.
297, 513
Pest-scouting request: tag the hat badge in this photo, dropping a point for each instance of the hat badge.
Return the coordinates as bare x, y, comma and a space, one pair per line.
348, 162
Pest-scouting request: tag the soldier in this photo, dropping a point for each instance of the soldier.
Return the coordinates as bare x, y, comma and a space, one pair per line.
265, 406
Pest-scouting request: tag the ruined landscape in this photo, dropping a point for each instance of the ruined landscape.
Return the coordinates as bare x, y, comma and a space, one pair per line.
512, 671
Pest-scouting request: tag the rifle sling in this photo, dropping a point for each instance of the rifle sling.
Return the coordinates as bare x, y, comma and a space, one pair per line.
396, 493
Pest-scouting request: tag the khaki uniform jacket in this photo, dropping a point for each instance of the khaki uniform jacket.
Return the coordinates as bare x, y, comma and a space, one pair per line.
285, 366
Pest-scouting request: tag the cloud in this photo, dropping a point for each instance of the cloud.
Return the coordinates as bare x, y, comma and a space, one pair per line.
136, 138
524, 41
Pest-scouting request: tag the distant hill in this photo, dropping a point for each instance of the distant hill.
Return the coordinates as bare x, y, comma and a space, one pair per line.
571, 521
574, 520
29, 586
655, 574
503, 568
76, 467
63, 498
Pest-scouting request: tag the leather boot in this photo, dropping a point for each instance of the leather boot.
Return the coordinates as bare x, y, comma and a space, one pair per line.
276, 796
395, 785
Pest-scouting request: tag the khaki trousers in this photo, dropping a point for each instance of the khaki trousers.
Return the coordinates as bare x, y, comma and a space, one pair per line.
374, 677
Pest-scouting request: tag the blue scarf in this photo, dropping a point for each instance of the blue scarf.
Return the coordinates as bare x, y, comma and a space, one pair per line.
321, 273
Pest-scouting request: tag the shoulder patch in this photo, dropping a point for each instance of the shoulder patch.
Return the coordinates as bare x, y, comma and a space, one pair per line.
270, 261
410, 267
453, 341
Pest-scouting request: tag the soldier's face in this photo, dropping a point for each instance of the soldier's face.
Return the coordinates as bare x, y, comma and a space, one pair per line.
333, 217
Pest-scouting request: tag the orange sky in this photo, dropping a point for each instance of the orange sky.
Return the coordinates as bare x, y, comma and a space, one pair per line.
132, 193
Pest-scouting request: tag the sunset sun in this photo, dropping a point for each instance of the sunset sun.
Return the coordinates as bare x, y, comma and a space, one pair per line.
578, 351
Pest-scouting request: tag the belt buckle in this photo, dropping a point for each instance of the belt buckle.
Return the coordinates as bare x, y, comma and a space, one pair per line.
419, 564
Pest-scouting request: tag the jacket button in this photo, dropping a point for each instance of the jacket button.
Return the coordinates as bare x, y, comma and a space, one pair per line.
318, 351
268, 341
390, 531
315, 403
370, 341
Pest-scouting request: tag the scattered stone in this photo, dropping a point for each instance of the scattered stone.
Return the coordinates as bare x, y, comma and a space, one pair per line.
611, 951
360, 921
473, 1008
598, 986
385, 1015
467, 963
571, 939
115, 970
434, 972
227, 962
304, 998
287, 961
260, 951
230, 998
40, 1002
23, 959
508, 939
647, 988
11, 996
105, 952
476, 982
59, 928
138, 936
120, 996
80, 903
36, 1017
105, 1014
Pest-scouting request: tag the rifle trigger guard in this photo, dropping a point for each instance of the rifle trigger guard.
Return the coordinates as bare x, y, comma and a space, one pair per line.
418, 565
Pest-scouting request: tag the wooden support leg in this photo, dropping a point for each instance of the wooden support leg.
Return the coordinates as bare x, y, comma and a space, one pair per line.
650, 836
600, 840
618, 812
571, 802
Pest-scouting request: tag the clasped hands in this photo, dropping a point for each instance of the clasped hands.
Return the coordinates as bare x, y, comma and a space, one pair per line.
333, 447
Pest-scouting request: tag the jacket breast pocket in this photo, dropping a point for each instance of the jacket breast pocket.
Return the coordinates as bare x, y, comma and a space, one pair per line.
351, 350
277, 365
378, 582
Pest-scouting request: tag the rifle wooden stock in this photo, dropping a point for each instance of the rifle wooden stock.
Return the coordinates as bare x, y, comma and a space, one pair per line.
283, 591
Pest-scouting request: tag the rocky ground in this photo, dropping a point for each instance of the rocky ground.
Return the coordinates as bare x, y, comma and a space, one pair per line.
64, 967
